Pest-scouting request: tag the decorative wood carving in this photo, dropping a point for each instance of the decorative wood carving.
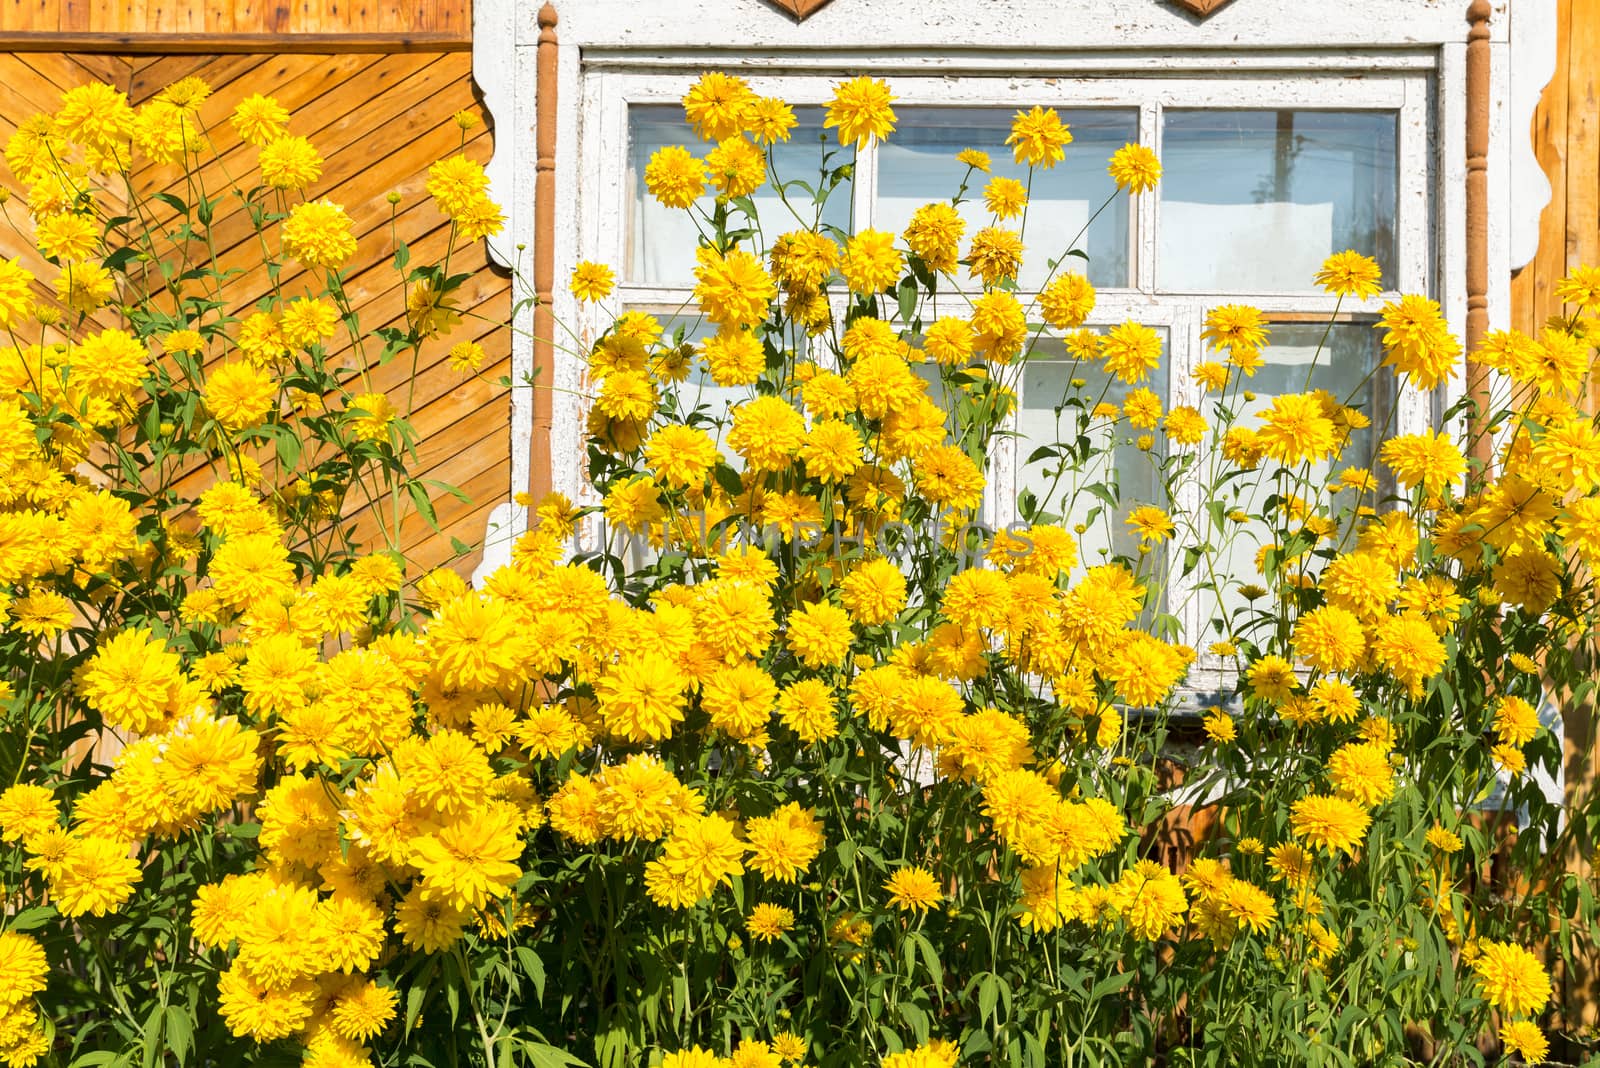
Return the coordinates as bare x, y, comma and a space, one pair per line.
1200, 8
1478, 208
803, 9
544, 248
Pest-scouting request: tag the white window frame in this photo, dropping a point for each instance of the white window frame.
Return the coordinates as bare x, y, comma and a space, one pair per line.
952, 38
606, 210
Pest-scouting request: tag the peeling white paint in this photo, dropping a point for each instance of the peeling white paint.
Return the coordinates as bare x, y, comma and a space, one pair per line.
982, 51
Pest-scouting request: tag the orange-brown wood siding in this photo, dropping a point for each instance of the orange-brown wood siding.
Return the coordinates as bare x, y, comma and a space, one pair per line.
236, 16
1566, 138
379, 120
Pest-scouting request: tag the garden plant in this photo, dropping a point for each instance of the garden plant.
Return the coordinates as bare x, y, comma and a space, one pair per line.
766, 750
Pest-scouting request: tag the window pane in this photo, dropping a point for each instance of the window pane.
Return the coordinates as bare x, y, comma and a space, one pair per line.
918, 165
1065, 495
661, 240
1256, 200
1342, 368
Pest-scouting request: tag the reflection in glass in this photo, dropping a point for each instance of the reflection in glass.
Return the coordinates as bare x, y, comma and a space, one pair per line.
661, 240
1066, 494
918, 165
1342, 367
1256, 200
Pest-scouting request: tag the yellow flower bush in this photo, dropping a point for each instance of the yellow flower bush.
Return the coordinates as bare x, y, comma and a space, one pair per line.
804, 764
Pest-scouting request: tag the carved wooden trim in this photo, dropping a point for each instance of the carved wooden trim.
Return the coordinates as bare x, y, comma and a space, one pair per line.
802, 9
544, 250
1477, 204
1201, 8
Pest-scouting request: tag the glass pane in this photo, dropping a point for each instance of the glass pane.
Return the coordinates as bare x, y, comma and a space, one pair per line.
1256, 200
1293, 365
918, 165
1063, 493
661, 240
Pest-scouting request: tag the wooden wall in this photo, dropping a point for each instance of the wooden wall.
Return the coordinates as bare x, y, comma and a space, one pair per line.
1566, 136
379, 119
452, 17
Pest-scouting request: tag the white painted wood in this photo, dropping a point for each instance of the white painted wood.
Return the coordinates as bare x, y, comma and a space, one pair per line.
1407, 55
1004, 25
1529, 62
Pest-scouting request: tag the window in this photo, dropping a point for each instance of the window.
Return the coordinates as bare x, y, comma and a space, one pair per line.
1265, 176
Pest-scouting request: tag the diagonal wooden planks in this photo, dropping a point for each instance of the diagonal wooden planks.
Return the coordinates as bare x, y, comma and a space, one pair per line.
393, 108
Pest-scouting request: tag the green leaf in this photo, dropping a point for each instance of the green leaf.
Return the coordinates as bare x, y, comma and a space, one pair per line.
150, 1040
419, 498
534, 968
32, 919
180, 1033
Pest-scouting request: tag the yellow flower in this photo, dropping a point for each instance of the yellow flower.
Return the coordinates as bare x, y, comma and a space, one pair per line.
1296, 428
67, 236
1417, 342
733, 289
239, 395
1067, 301
913, 889
318, 234
1330, 639
785, 843
995, 255
471, 860
1272, 678
1135, 168
1131, 351
1005, 197
1350, 274
641, 697
1429, 459
974, 158
1444, 840
259, 119
1408, 647
737, 167
860, 109
1149, 898
1523, 1037
97, 877
1329, 822
769, 119
1039, 137
680, 455
768, 922
1361, 772
592, 281
1151, 524
1219, 726
871, 263
1512, 979
716, 105
16, 300
819, 634
674, 176
289, 163
767, 432
466, 356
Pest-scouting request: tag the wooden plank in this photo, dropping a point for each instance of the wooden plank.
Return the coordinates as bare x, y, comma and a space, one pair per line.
1550, 126
1583, 136
370, 221
316, 93
154, 73
125, 43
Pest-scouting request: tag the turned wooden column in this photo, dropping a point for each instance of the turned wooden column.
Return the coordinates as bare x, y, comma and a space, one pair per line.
1478, 60
544, 251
